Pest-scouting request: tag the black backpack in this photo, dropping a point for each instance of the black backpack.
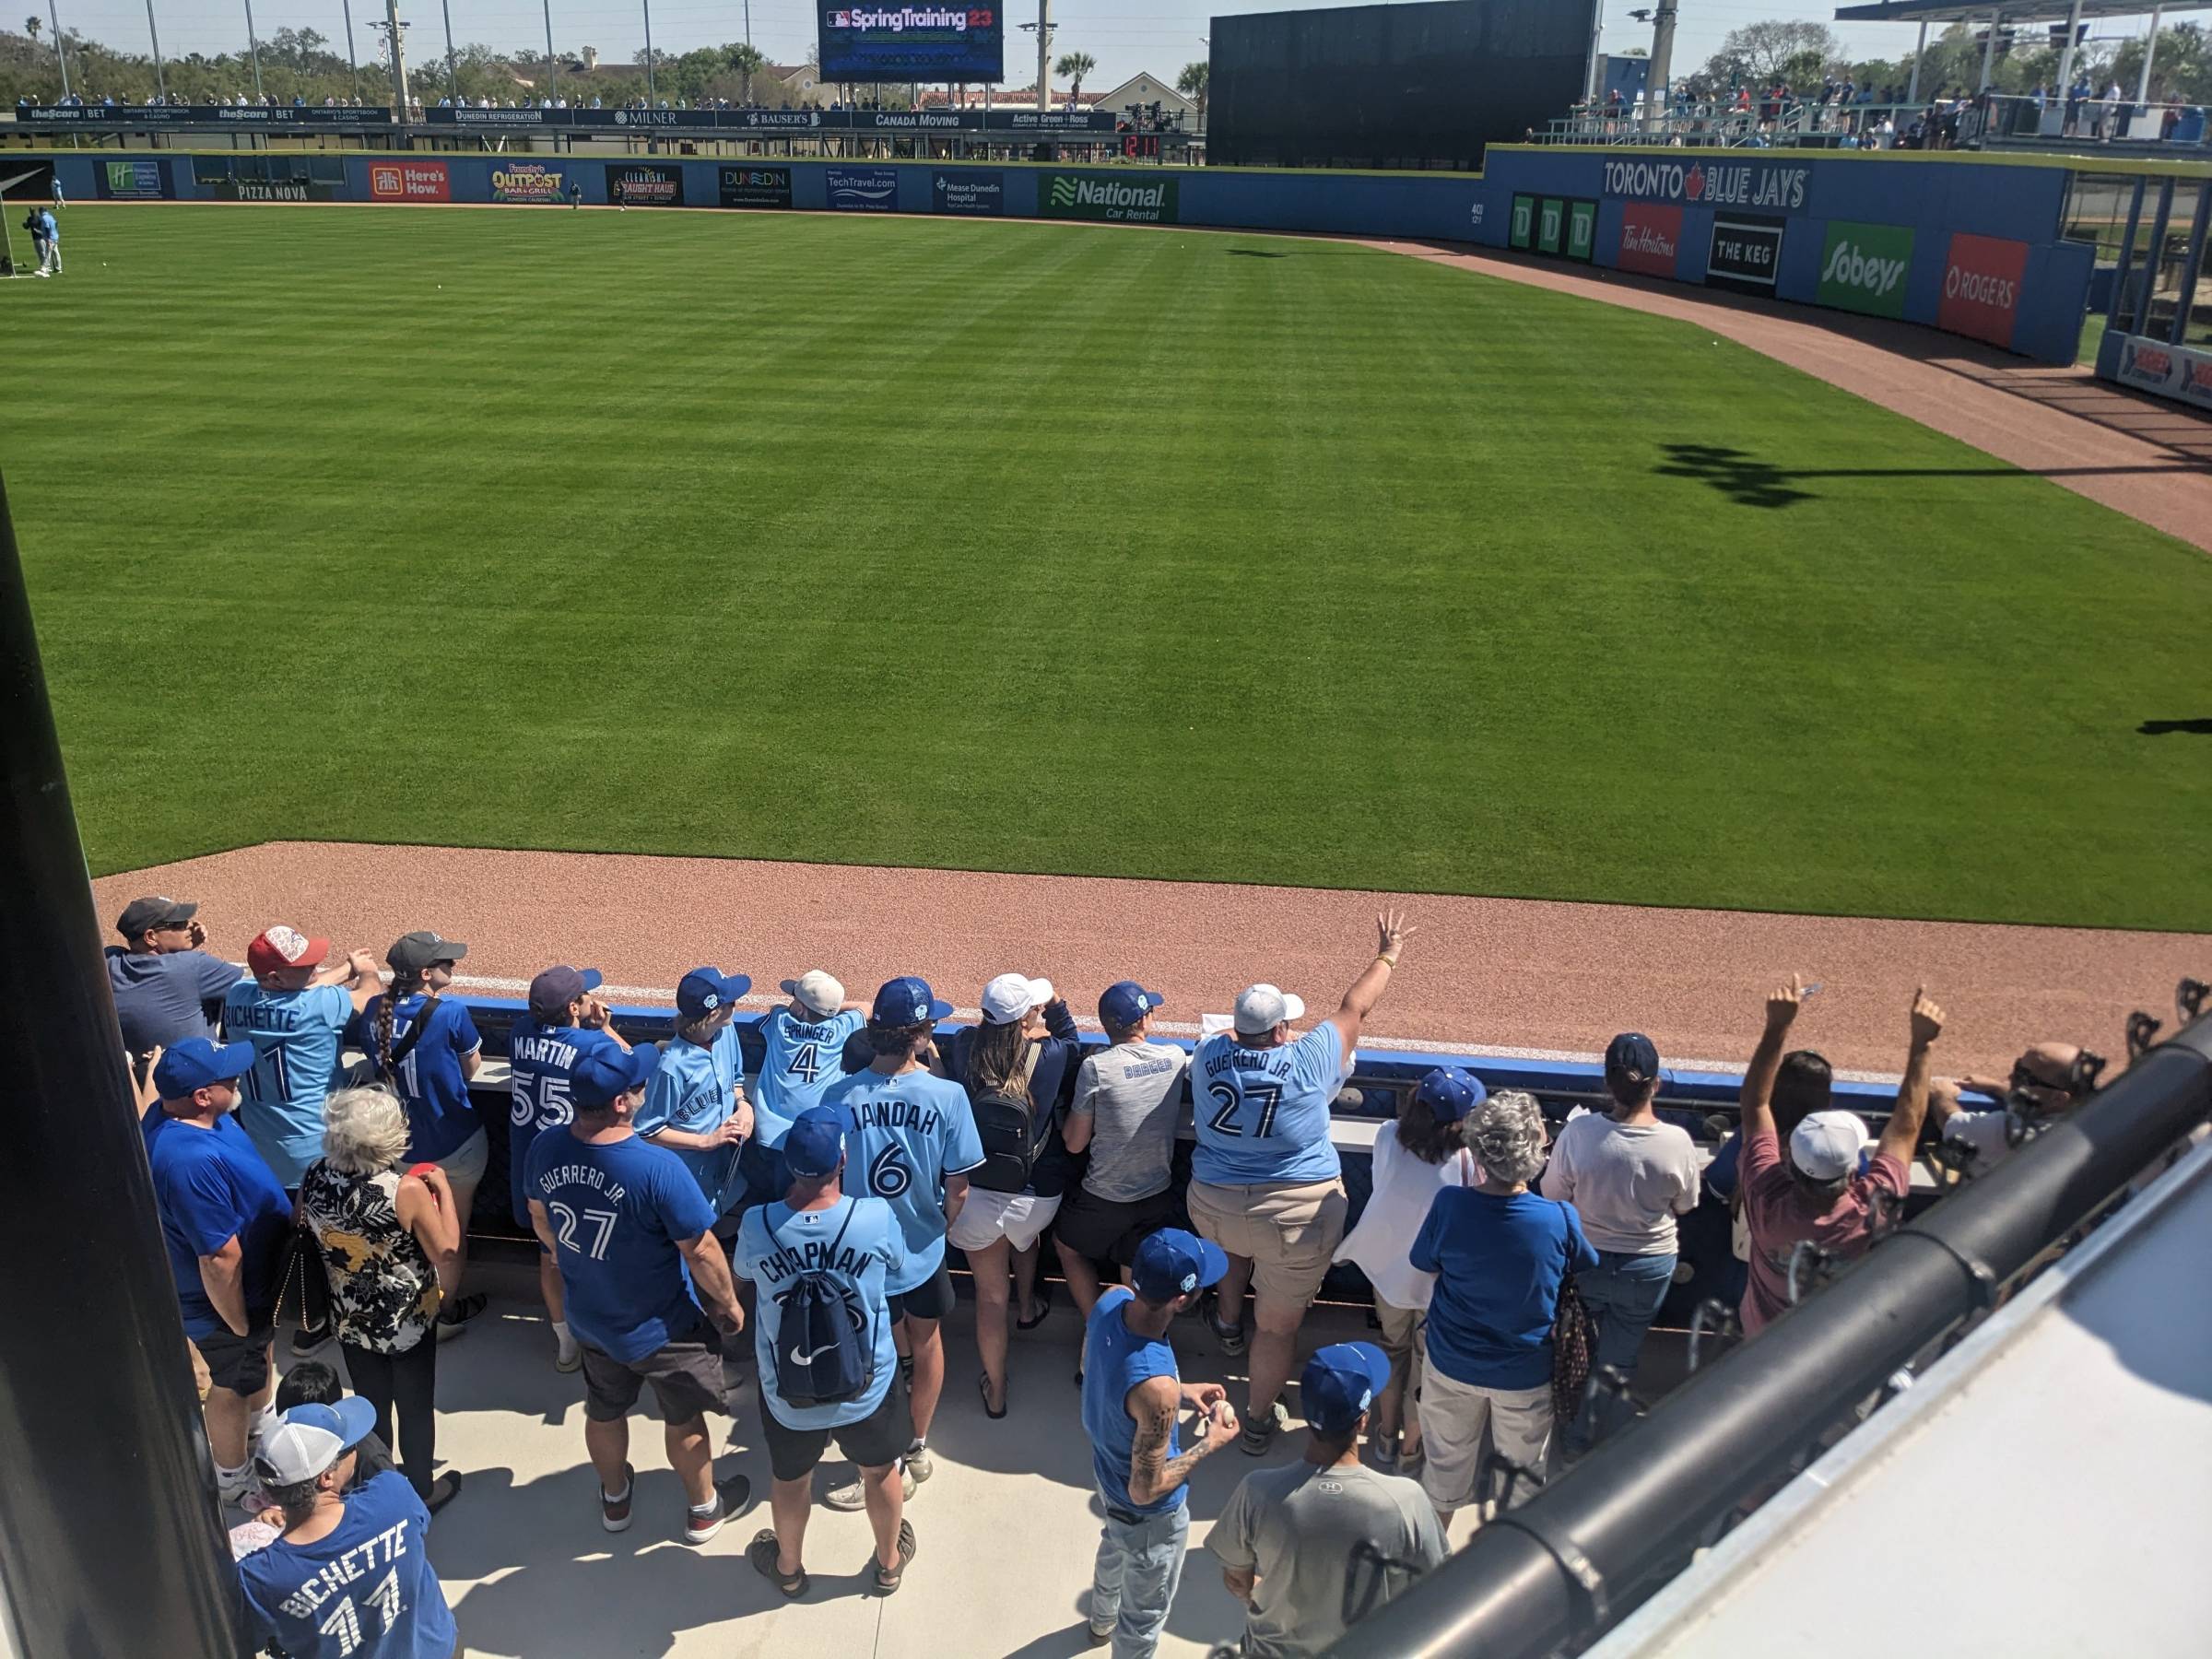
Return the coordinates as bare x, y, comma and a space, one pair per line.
1014, 1135
824, 1353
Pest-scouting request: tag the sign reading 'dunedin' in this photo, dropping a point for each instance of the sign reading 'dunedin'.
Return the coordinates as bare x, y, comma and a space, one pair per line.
755, 186
863, 189
924, 42
1746, 252
641, 185
969, 190
1141, 199
1766, 186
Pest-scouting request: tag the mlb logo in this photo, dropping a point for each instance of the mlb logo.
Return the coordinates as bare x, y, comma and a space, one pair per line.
840, 19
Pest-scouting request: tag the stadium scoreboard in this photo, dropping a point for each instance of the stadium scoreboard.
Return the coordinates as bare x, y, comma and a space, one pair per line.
913, 44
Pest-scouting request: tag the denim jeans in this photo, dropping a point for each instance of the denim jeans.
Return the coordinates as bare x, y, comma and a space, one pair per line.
1140, 1563
1623, 1293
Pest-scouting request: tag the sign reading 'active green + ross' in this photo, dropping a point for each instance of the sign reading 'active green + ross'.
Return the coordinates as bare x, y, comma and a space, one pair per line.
1139, 200
1863, 268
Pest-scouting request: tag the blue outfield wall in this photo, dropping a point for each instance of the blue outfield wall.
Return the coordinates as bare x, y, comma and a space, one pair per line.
1971, 245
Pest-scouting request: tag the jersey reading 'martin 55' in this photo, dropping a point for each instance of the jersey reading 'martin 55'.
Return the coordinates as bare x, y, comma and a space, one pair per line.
913, 42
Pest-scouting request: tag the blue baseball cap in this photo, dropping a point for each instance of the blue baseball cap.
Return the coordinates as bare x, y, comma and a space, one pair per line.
1171, 1263
552, 991
907, 1000
816, 1143
1340, 1384
606, 1070
703, 990
195, 1063
1126, 1002
1451, 1092
1633, 1057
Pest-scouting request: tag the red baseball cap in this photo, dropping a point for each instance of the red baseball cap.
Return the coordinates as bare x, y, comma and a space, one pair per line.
277, 948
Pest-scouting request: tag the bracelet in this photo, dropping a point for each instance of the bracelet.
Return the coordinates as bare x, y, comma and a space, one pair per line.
1386, 958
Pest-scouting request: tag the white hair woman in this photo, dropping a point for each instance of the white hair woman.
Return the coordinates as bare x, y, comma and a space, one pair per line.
391, 1244
1500, 1254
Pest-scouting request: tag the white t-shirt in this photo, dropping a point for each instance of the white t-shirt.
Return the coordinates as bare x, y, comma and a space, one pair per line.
1984, 1131
1382, 1245
1627, 1181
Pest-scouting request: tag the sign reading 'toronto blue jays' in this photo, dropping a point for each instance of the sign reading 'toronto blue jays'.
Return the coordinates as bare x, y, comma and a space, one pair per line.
885, 42
1766, 186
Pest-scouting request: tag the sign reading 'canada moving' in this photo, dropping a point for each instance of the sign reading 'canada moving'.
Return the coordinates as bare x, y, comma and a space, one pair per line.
1768, 186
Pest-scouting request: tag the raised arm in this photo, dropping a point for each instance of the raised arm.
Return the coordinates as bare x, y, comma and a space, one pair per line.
1783, 1003
1154, 1403
1367, 990
1901, 1133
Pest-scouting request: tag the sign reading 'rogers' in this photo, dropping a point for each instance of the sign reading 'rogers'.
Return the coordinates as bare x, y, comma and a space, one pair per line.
1981, 281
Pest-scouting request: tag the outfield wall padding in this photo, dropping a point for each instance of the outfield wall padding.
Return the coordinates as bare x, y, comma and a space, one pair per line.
1971, 245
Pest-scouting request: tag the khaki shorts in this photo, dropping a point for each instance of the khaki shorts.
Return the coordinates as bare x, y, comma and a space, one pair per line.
1402, 1341
1459, 1421
1289, 1232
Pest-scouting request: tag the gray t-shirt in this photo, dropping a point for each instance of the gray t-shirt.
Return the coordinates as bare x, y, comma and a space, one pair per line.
1133, 1093
1330, 1545
1626, 1181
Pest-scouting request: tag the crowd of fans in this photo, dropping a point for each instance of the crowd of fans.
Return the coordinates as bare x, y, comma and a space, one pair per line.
694, 1221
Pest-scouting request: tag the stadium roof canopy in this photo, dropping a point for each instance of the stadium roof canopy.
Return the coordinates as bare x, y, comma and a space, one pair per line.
2012, 11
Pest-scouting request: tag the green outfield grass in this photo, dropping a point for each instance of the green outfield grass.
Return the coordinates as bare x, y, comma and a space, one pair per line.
1052, 548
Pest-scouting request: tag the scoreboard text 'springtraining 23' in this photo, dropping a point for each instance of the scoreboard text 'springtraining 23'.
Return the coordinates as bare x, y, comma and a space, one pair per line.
913, 42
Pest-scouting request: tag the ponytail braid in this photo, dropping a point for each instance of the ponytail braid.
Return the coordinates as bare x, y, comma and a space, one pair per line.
404, 984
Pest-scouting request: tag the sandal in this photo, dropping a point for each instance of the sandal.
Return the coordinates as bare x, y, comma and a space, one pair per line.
983, 1384
1044, 1306
762, 1552
887, 1578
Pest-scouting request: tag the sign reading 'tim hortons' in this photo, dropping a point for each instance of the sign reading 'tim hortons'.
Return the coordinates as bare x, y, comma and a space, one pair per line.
1769, 186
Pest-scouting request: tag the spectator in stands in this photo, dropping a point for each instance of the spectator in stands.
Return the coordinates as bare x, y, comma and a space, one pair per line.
1500, 1254
164, 984
1629, 1176
1024, 1052
227, 1222
1127, 1103
813, 1247
2043, 1073
1819, 1196
565, 1022
1132, 1397
1264, 1180
388, 1240
1312, 1548
311, 1383
1424, 1151
345, 1561
806, 1042
634, 1237
914, 1136
426, 1049
696, 1105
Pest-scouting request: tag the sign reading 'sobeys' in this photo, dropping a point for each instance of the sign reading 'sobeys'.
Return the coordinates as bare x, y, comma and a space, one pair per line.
1765, 185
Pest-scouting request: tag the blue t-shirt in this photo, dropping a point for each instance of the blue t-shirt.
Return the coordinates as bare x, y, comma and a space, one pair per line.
161, 1000
296, 1037
541, 1061
776, 1244
441, 1116
367, 1591
619, 1210
1498, 1262
211, 1186
1115, 1360
804, 1057
1262, 1113
904, 1135
695, 1090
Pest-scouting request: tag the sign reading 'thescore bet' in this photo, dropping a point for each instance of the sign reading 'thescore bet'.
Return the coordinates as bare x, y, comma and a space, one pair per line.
1981, 281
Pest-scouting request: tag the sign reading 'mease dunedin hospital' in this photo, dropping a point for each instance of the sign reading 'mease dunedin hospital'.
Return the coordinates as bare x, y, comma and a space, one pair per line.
1148, 200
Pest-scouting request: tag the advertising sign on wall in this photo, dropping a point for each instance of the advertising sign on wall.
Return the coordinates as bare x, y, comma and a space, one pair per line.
132, 181
1551, 220
1981, 281
1522, 232
971, 190
273, 190
409, 181
526, 181
2174, 372
893, 42
1864, 267
1766, 186
1582, 230
755, 186
643, 185
864, 189
1145, 199
1651, 238
1745, 254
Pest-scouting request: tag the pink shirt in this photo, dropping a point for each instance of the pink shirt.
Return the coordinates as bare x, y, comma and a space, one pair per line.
1779, 1217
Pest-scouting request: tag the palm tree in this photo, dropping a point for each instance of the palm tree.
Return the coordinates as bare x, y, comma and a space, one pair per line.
1075, 65
31, 27
746, 60
1191, 83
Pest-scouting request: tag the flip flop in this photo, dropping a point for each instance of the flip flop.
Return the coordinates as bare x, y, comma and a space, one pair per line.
983, 1384
889, 1578
1044, 1306
762, 1553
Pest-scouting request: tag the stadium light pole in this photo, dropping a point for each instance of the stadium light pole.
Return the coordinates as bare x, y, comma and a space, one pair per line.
453, 73
552, 63
352, 63
1597, 29
1663, 59
161, 76
60, 56
1044, 55
2150, 47
649, 89
1920, 50
253, 47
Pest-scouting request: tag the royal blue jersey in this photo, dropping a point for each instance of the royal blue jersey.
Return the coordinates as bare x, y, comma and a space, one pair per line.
776, 1244
541, 1061
296, 1038
804, 1057
440, 1117
367, 1590
211, 1186
1262, 1113
695, 1090
1115, 1360
904, 1135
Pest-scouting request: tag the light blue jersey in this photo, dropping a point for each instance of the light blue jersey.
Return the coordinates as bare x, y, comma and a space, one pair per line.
904, 1136
294, 1036
1262, 1113
804, 1057
694, 1091
776, 1244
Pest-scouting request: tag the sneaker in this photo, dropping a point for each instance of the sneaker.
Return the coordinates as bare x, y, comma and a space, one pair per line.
1231, 1336
1260, 1432
730, 1496
453, 1320
920, 1465
231, 1487
853, 1495
1383, 1448
614, 1512
1094, 1637
305, 1342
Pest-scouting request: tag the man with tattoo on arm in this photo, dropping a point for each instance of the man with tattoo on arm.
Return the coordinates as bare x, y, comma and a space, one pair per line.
1132, 1397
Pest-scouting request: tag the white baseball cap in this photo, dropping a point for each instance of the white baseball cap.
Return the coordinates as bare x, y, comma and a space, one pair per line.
817, 990
1263, 1007
309, 1439
1012, 996
1826, 1146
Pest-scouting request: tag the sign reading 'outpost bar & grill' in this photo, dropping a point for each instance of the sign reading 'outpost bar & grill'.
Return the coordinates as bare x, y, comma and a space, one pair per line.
526, 182
1766, 186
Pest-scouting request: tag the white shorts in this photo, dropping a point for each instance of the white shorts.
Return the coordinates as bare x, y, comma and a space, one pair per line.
1017, 1217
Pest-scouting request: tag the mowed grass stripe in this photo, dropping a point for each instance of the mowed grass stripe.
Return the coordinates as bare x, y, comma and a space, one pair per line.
1060, 548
